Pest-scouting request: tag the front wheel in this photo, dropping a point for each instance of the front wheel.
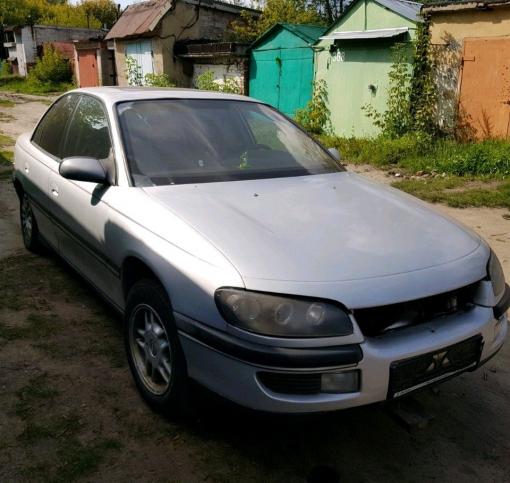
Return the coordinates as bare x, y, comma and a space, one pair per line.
154, 353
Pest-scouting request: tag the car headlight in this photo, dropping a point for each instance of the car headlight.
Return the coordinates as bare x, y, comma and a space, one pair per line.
282, 316
495, 273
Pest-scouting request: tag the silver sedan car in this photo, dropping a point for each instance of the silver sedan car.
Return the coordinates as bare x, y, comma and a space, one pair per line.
242, 255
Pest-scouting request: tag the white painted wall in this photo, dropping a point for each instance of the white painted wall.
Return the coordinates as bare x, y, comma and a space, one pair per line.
221, 72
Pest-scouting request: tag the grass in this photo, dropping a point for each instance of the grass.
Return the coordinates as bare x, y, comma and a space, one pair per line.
6, 140
36, 326
23, 86
457, 174
31, 396
7, 103
27, 281
72, 459
6, 158
459, 192
412, 154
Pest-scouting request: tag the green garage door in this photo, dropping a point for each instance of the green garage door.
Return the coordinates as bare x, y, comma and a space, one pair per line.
265, 76
282, 78
296, 76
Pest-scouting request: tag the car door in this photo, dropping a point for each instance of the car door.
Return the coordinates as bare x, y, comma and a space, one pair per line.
83, 210
40, 159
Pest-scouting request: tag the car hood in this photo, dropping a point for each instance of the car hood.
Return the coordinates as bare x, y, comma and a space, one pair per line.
321, 228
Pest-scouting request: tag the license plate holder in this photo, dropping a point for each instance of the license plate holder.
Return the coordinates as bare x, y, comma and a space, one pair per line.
410, 374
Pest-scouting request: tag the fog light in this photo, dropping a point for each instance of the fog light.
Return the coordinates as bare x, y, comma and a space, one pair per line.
340, 382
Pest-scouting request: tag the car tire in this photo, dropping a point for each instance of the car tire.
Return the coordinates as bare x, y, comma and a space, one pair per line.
153, 349
29, 228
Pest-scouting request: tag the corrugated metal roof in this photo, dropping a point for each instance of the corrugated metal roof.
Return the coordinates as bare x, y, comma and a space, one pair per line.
139, 18
366, 34
144, 17
462, 5
309, 33
409, 10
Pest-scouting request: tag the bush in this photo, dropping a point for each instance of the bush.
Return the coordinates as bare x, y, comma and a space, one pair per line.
5, 68
51, 70
315, 117
158, 80
205, 82
136, 78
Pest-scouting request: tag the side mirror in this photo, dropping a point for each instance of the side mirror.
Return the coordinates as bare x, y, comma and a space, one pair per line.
83, 169
335, 153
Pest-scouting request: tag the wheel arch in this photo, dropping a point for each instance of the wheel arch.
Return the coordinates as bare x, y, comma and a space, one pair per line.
135, 269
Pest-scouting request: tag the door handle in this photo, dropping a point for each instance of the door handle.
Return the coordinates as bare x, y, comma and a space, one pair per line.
54, 191
25, 168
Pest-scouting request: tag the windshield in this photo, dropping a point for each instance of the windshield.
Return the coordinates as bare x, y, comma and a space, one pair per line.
175, 141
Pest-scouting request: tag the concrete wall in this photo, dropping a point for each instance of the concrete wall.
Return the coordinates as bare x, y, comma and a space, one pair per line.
357, 74
32, 37
448, 30
181, 23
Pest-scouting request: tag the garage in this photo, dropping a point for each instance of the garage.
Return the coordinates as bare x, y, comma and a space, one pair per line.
281, 66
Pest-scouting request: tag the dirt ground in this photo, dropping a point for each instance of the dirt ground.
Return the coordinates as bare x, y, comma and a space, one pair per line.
69, 410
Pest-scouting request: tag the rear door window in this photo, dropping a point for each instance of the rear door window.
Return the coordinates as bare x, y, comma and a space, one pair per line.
49, 133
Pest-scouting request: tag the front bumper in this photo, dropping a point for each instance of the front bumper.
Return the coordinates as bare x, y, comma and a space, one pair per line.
233, 369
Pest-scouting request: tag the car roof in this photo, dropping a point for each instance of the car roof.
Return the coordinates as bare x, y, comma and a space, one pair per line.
111, 95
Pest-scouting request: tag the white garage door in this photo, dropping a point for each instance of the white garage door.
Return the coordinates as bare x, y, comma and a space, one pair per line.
142, 53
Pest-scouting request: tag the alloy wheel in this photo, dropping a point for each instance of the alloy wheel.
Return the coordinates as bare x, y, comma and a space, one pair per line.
151, 349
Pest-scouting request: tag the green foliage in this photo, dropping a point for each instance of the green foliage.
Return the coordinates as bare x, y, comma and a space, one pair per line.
103, 11
6, 158
206, 82
396, 120
249, 27
412, 92
135, 76
5, 68
316, 116
158, 80
86, 13
51, 70
133, 72
23, 86
412, 153
423, 95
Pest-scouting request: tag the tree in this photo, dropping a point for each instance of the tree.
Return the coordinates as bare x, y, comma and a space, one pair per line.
87, 13
104, 11
330, 10
288, 11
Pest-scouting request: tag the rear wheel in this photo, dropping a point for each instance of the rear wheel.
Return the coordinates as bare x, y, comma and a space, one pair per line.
154, 353
29, 229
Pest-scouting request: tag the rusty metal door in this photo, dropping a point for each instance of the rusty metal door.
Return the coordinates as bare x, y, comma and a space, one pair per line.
484, 102
87, 65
